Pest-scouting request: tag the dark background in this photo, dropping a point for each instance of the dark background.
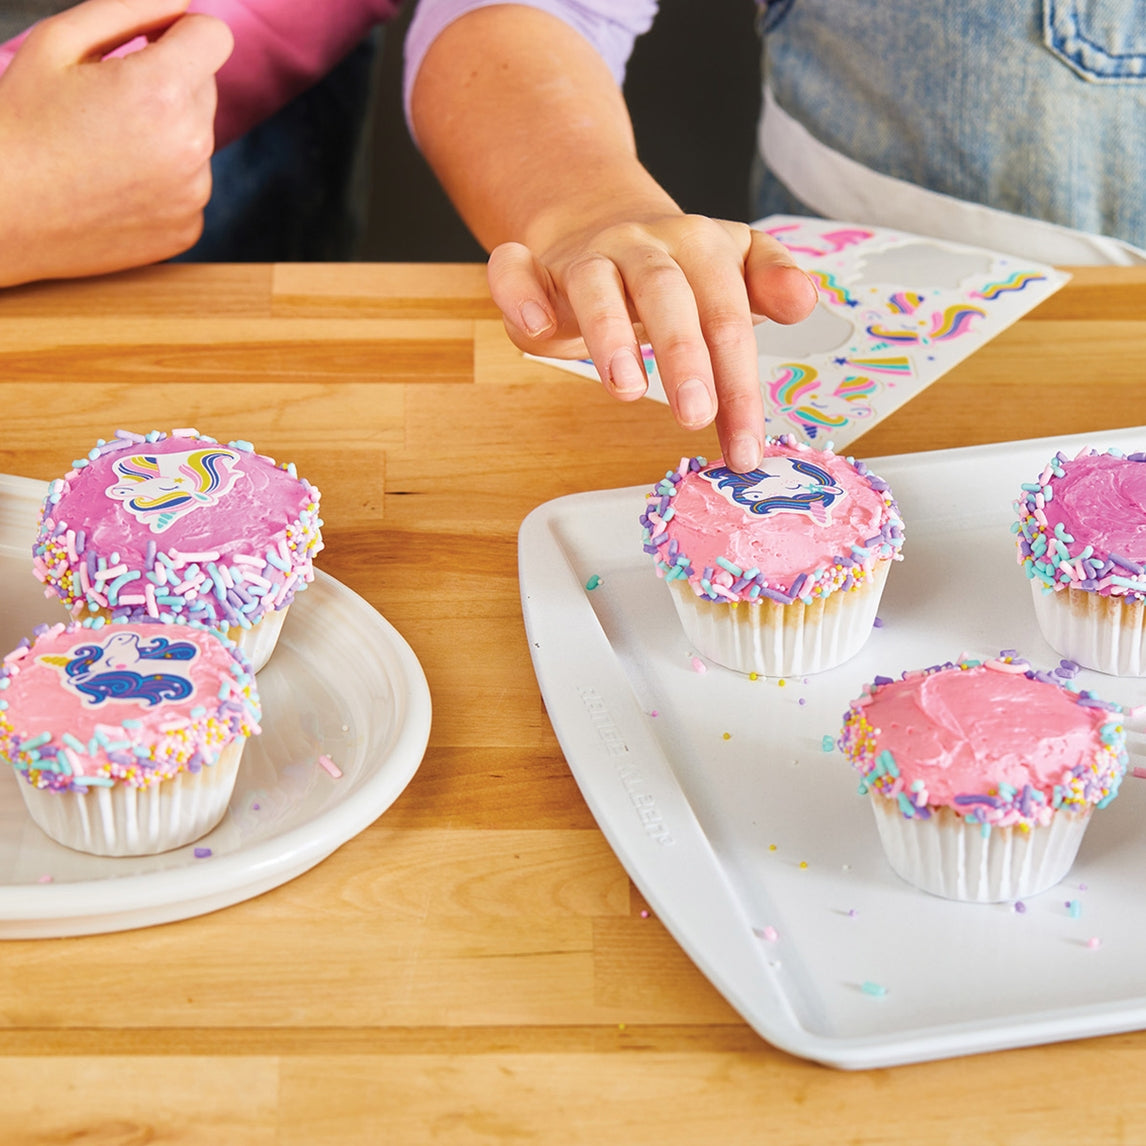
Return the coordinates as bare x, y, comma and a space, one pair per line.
693, 90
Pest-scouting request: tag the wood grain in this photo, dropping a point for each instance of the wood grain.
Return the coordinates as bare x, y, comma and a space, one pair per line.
476, 966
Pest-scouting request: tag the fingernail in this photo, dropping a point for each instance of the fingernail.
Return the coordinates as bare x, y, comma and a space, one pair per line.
626, 374
743, 453
534, 319
694, 403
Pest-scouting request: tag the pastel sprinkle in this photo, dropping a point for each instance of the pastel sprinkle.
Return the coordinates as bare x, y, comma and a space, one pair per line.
1020, 906
827, 743
726, 736
698, 665
593, 582
44, 879
330, 766
1094, 943
768, 933
876, 990
202, 853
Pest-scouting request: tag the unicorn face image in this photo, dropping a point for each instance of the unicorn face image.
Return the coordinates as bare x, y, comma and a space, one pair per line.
122, 667
780, 485
159, 489
798, 394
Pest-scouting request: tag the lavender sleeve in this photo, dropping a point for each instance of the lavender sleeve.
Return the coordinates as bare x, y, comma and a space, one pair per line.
611, 26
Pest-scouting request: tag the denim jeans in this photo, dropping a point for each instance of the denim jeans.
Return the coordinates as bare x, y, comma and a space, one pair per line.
1036, 107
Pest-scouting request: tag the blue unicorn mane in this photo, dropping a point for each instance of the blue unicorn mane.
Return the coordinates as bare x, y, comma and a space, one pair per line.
739, 483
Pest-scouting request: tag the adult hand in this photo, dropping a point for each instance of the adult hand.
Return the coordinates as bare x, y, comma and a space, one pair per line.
689, 285
105, 162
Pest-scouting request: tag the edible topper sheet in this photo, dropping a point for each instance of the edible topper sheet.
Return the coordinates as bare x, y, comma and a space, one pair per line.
896, 311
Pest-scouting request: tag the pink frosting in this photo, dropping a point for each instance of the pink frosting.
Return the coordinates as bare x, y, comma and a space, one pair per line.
805, 523
709, 526
247, 511
122, 702
994, 741
180, 527
962, 732
1100, 500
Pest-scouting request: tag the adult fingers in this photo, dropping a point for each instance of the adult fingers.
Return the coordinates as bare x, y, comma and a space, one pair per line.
777, 288
194, 46
596, 293
91, 30
712, 256
518, 285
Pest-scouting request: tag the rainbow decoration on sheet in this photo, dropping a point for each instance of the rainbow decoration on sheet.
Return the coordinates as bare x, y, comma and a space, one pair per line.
905, 302
946, 324
954, 321
798, 394
832, 241
855, 387
880, 332
897, 367
1020, 280
829, 286
793, 383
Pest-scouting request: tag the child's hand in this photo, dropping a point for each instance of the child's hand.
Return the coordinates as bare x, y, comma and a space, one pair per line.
688, 285
105, 163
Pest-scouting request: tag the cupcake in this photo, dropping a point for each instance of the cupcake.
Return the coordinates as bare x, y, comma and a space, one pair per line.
1082, 541
983, 774
126, 737
778, 571
179, 528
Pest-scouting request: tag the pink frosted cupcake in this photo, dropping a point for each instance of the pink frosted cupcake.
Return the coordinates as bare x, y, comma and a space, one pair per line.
778, 571
1082, 542
983, 775
180, 528
126, 737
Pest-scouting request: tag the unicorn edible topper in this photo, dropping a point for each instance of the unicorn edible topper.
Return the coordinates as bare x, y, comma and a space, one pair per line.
158, 489
121, 667
780, 485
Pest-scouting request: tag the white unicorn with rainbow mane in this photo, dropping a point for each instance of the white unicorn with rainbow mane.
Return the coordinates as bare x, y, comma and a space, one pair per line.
158, 489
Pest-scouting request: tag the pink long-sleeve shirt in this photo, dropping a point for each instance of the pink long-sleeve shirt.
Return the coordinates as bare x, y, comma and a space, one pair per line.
281, 48
284, 46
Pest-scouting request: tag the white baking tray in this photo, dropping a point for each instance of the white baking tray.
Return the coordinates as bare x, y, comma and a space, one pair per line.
751, 842
342, 683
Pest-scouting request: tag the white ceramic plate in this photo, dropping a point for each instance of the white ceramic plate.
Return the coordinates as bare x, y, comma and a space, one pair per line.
342, 683
749, 839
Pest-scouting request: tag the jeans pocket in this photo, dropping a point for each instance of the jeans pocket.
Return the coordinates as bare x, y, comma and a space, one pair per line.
1104, 41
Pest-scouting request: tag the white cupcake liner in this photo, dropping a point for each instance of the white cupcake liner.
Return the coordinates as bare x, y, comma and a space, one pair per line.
781, 640
124, 821
947, 856
258, 642
1107, 634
